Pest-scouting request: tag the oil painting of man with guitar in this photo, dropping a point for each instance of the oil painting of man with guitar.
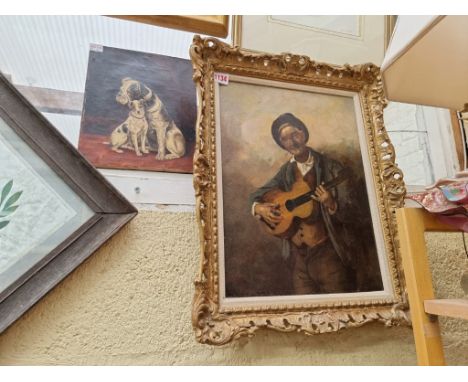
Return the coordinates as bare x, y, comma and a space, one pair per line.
298, 214
302, 205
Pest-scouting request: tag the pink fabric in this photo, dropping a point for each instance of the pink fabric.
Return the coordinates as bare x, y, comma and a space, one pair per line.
448, 200
434, 201
458, 221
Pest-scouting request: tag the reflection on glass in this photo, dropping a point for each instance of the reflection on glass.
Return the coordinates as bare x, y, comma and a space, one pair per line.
348, 25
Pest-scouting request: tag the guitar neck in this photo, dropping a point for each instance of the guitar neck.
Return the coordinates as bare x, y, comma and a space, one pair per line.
342, 176
304, 198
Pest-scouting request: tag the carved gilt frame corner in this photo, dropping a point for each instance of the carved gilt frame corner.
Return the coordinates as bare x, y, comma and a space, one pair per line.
216, 325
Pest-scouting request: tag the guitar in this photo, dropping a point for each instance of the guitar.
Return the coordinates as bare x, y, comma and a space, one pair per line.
300, 202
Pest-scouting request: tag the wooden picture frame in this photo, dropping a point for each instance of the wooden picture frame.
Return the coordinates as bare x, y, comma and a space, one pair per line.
390, 21
240, 96
102, 209
212, 25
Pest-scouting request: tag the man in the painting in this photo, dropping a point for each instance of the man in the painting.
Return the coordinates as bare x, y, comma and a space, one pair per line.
313, 241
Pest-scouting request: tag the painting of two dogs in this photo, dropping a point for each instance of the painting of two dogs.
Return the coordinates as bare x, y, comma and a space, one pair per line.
139, 111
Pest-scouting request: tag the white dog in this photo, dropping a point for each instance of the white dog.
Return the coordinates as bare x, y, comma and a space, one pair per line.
170, 141
133, 130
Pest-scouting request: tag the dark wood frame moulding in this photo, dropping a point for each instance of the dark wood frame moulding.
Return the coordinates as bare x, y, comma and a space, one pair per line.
111, 210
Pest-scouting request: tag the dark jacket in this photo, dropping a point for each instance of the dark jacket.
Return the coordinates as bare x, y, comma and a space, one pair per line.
325, 169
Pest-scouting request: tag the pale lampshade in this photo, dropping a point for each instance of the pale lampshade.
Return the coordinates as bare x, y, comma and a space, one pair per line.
427, 61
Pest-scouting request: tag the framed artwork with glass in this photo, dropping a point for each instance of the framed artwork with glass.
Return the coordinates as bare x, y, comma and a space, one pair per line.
55, 208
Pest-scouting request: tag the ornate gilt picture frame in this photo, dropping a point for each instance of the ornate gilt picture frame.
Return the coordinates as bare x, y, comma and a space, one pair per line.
296, 188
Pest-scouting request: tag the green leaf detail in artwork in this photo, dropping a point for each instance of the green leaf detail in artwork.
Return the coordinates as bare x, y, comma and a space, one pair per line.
6, 190
12, 199
9, 210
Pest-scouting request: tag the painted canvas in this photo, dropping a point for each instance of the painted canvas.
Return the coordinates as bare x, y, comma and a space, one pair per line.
139, 111
296, 216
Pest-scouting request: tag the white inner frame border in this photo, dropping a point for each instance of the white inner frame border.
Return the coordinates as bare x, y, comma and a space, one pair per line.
388, 291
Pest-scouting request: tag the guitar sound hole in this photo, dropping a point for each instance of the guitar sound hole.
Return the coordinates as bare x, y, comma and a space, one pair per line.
289, 205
